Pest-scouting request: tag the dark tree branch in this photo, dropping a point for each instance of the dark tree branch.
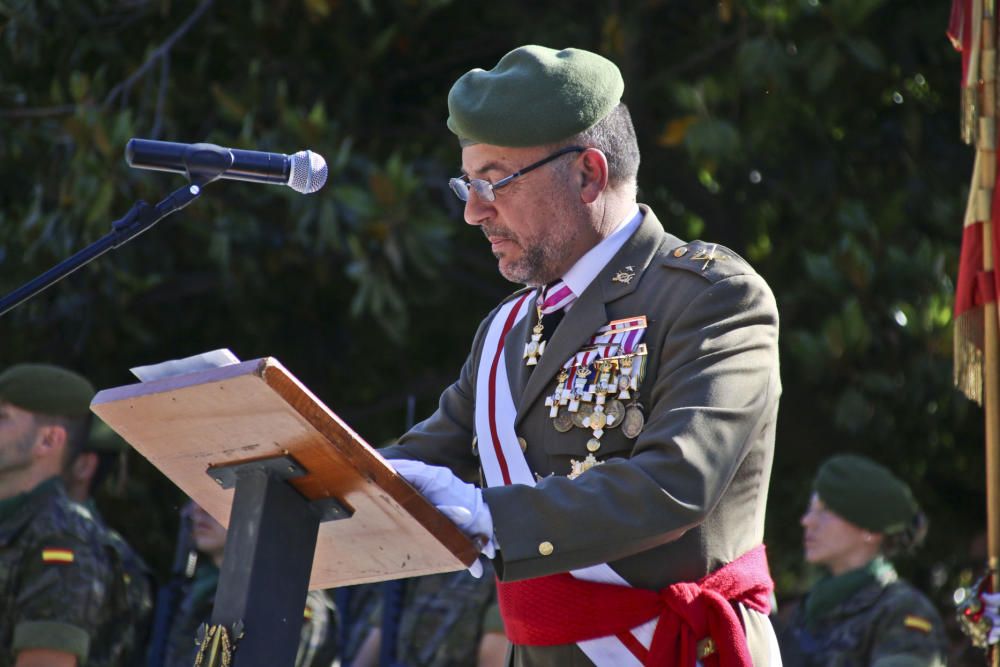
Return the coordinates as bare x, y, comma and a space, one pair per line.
39, 112
123, 88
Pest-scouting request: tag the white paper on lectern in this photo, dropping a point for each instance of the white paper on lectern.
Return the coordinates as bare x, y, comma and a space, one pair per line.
198, 362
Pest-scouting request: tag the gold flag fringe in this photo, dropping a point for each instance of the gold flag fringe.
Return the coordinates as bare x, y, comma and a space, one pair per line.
968, 348
969, 114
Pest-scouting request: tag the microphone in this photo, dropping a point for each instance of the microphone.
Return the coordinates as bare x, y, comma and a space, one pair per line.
303, 172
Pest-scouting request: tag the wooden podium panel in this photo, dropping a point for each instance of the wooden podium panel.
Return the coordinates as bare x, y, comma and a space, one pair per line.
256, 410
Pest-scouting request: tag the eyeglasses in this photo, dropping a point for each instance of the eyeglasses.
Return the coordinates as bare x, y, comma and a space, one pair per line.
486, 190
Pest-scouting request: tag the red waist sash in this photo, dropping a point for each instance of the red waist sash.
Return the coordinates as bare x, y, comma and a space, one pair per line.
561, 609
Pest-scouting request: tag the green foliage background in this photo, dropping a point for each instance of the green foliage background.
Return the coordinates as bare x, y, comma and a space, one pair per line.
818, 138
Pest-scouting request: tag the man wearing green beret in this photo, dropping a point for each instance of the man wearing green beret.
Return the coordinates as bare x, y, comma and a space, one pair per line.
862, 613
59, 586
620, 408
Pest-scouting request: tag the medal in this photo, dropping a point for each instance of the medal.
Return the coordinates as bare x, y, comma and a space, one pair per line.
633, 421
577, 468
615, 410
534, 348
582, 414
596, 421
563, 421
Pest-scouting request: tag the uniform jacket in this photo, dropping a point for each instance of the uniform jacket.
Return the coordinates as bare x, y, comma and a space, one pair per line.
888, 622
688, 494
60, 585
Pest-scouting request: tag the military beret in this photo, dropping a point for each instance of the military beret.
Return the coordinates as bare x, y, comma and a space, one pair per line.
47, 390
534, 96
866, 494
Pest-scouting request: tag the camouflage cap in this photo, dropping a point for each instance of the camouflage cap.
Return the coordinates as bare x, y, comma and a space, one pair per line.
47, 390
865, 493
534, 96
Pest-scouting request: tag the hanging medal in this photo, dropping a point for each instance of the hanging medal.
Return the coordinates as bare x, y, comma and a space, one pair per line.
534, 348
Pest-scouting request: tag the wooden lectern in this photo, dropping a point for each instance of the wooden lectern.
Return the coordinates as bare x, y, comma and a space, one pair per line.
307, 502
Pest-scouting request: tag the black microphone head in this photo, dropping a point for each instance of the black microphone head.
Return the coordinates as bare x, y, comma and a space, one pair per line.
308, 172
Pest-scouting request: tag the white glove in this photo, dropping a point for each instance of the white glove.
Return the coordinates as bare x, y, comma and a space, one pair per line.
459, 501
991, 610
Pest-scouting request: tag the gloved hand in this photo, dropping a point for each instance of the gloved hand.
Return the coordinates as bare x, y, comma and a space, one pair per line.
991, 610
459, 501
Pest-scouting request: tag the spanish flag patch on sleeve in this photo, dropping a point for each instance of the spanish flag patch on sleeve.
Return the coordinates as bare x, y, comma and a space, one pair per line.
918, 623
57, 556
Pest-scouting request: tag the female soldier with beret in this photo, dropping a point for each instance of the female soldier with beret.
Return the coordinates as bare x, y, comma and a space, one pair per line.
862, 613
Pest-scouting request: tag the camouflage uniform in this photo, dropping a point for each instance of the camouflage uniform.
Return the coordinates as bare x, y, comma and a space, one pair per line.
317, 647
137, 581
61, 587
887, 622
444, 617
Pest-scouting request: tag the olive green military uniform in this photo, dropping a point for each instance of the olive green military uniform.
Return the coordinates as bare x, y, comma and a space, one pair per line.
444, 617
317, 646
684, 497
886, 623
61, 587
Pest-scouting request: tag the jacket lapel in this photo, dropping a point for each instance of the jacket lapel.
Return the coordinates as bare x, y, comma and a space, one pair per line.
589, 312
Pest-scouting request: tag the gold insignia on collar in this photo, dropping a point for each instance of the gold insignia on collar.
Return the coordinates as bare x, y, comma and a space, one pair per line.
709, 256
624, 277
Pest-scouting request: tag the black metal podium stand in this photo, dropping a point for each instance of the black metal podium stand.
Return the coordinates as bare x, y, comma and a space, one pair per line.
272, 530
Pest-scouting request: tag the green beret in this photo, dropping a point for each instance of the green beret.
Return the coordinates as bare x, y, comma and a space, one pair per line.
865, 493
103, 440
47, 390
534, 96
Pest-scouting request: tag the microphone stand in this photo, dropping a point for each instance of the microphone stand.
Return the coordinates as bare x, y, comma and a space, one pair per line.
141, 217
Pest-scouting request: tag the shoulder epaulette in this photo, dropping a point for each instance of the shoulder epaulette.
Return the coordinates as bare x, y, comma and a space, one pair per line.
711, 261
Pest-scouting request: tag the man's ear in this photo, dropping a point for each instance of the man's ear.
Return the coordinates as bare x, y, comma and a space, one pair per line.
593, 174
51, 441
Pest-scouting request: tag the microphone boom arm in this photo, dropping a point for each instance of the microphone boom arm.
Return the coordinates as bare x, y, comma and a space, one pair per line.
140, 217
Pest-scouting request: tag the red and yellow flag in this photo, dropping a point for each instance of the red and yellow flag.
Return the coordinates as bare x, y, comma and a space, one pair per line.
975, 286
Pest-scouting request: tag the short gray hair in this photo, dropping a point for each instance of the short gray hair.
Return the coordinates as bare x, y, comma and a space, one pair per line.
613, 135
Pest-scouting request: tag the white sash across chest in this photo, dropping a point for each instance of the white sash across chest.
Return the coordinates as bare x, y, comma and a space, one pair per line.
504, 463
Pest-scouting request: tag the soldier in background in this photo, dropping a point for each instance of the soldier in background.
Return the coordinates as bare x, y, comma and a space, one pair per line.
317, 647
447, 620
62, 594
93, 464
862, 613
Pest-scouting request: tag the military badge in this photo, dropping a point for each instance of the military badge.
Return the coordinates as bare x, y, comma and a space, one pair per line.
595, 381
920, 623
535, 348
563, 421
624, 277
57, 556
634, 421
577, 468
616, 411
709, 256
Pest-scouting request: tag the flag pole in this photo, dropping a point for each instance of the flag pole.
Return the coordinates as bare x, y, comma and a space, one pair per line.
986, 144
